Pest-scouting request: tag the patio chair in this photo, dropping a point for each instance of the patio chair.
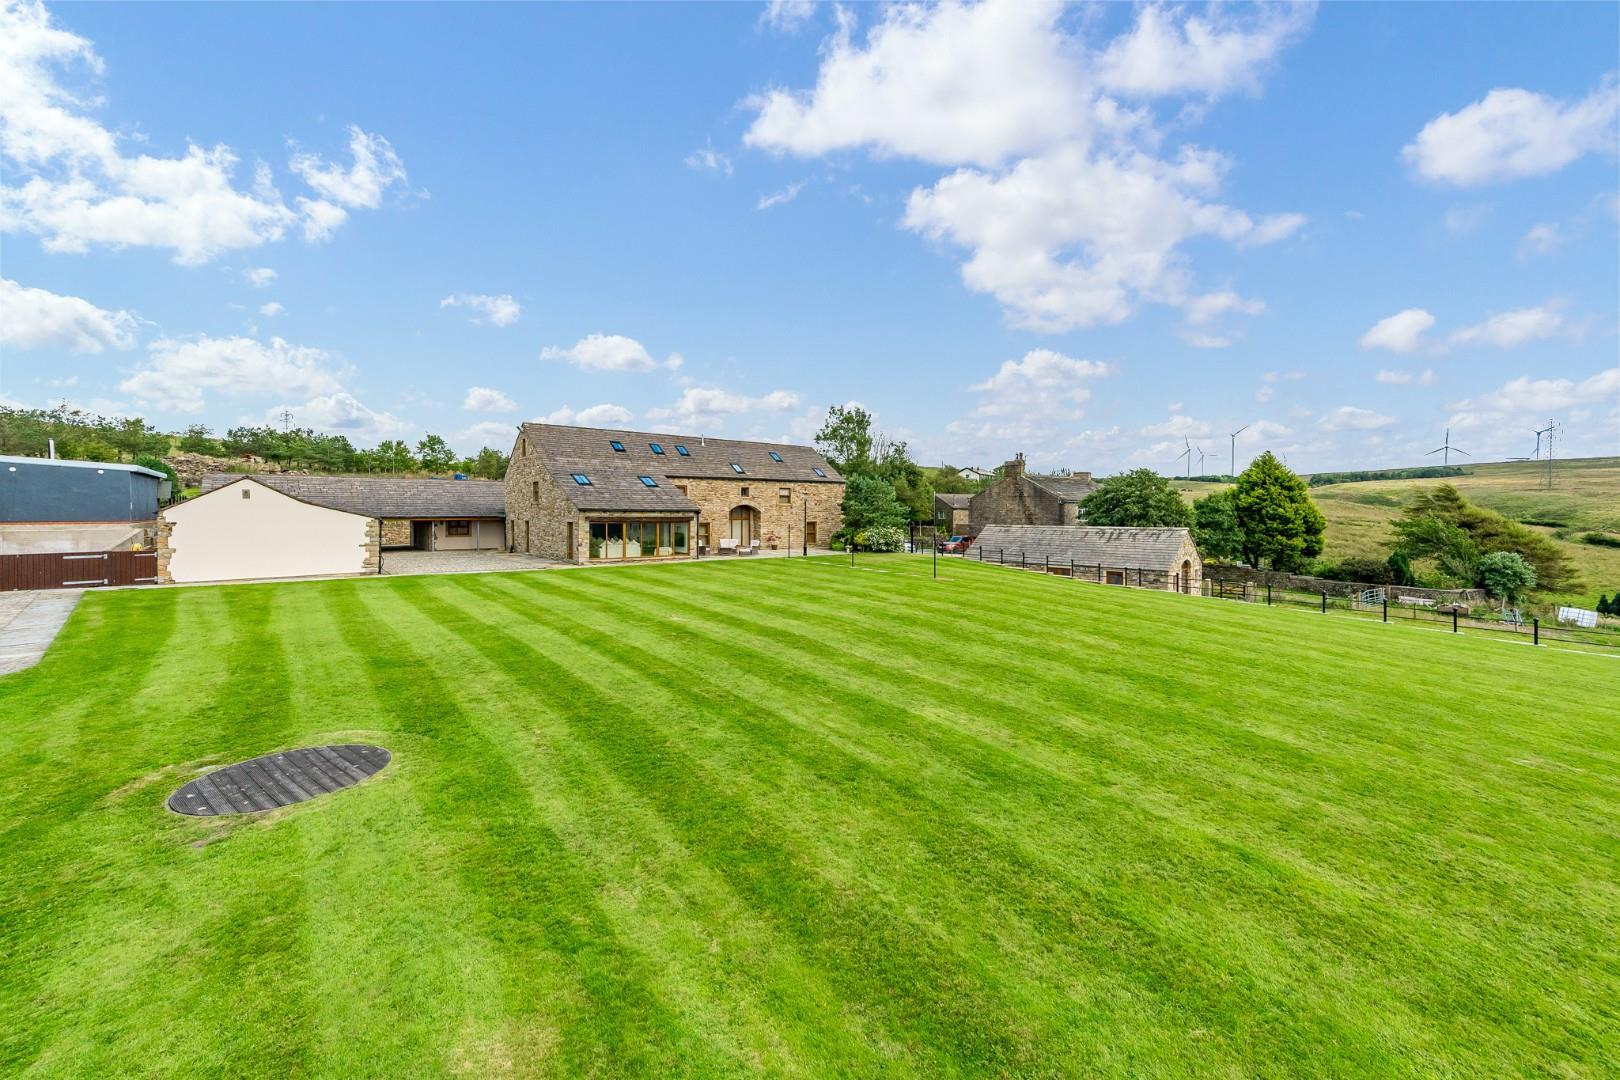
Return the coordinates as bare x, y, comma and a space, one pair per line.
728, 546
751, 549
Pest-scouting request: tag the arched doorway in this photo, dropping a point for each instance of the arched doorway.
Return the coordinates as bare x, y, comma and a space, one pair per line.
1186, 575
744, 525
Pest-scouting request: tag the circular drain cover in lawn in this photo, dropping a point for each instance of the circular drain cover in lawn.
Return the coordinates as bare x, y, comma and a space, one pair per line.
291, 776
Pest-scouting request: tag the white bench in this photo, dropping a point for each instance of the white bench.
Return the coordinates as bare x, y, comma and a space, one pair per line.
728, 546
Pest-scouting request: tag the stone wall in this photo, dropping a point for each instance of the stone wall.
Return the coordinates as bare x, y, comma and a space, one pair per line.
538, 513
1013, 500
783, 518
396, 532
1305, 583
373, 546
165, 552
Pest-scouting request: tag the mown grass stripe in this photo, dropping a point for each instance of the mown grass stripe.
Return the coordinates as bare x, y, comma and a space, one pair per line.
995, 867
780, 1013
535, 904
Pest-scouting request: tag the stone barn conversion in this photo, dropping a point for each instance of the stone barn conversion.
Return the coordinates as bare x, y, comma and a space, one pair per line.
281, 526
1024, 498
605, 495
1165, 559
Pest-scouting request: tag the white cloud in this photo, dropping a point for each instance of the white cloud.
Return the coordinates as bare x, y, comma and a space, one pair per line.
259, 276
1180, 426
944, 84
272, 309
778, 198
595, 416
787, 15
34, 318
1525, 399
1030, 399
1462, 220
609, 352
1351, 418
1072, 239
176, 372
321, 219
374, 170
501, 310
1508, 329
340, 413
79, 190
1265, 394
1401, 332
1541, 239
699, 405
1069, 216
1513, 133
491, 433
707, 159
483, 399
1425, 377
1170, 52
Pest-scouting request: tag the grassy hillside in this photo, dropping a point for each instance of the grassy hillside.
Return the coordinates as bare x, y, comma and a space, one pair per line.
1586, 497
782, 817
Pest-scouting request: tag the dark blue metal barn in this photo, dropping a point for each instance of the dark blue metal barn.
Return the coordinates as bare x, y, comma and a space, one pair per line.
38, 490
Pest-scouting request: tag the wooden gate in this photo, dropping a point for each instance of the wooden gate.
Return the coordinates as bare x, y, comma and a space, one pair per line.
77, 569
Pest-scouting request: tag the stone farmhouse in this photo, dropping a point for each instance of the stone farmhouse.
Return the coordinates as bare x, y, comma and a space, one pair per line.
1024, 498
599, 494
1165, 559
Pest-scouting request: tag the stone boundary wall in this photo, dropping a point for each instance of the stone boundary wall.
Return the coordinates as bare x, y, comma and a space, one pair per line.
1305, 583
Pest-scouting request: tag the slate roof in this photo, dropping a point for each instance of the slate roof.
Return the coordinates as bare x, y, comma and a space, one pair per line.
1149, 549
954, 500
1066, 488
382, 496
615, 477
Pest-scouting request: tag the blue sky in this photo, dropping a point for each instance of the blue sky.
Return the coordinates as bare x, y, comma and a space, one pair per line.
1086, 233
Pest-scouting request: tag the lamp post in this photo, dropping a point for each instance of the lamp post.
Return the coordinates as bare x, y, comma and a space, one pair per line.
804, 531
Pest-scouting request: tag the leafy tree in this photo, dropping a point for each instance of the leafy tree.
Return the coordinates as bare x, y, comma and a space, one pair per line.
1362, 569
489, 463
948, 480
1400, 569
869, 502
1215, 527
435, 454
199, 439
1486, 530
1281, 527
1454, 552
845, 439
1506, 576
392, 455
1140, 498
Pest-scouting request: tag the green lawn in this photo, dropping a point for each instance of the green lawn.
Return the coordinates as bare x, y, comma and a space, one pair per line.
790, 818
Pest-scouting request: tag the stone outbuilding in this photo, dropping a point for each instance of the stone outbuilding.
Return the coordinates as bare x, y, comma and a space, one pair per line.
243, 527
599, 494
951, 513
1024, 498
1165, 559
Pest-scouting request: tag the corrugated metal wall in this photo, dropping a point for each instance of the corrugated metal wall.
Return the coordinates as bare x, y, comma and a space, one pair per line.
48, 492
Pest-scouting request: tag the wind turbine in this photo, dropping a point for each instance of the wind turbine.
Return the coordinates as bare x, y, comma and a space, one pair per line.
1233, 437
1447, 448
1200, 462
1187, 453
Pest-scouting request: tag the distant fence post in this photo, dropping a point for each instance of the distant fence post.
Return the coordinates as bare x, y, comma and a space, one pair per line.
1453, 620
1324, 601
1268, 592
1535, 631
1001, 554
1071, 569
1047, 567
1386, 609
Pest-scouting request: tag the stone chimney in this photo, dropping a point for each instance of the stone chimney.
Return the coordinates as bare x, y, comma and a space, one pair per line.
1014, 469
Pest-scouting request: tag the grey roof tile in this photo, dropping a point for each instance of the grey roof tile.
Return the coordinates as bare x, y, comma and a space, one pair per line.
1148, 549
382, 497
615, 477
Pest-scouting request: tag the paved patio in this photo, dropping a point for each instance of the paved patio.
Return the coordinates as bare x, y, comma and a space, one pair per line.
461, 562
29, 622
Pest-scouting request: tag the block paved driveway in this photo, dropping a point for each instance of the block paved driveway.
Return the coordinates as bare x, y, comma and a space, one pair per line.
29, 622
460, 562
